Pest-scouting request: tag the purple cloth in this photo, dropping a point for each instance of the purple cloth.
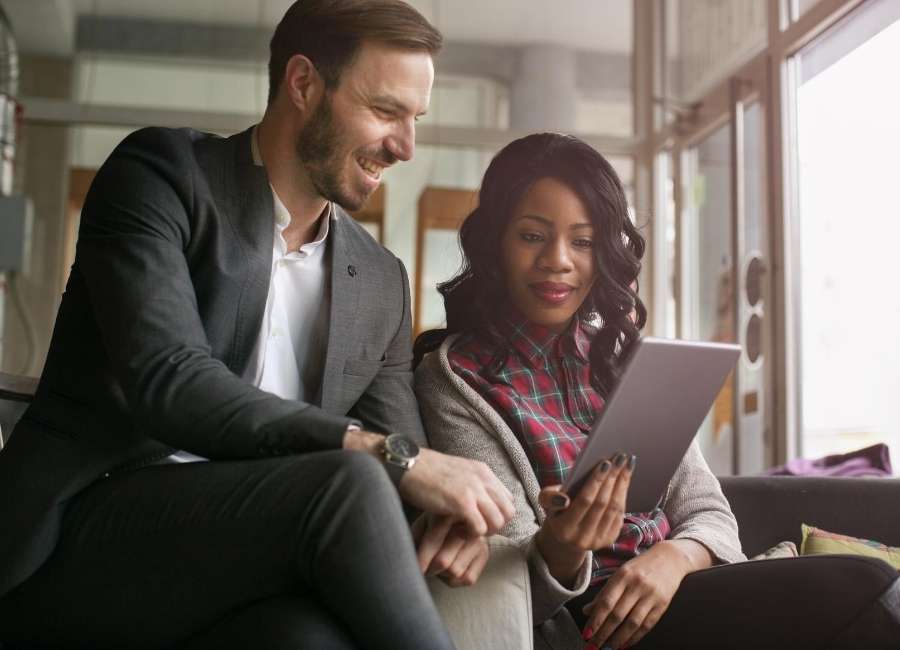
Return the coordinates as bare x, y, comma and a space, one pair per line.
870, 461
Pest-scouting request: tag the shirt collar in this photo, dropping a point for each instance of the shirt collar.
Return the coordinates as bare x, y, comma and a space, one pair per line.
537, 343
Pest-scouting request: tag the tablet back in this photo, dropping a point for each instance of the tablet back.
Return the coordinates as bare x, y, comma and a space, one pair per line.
665, 392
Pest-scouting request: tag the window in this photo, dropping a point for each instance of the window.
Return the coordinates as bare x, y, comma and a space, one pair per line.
848, 315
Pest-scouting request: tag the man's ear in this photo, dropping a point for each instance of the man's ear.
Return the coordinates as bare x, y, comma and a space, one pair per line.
303, 83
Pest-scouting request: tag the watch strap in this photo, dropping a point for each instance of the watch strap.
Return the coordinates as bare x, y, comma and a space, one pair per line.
395, 471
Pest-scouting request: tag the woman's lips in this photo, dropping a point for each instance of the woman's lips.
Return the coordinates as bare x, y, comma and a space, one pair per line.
551, 292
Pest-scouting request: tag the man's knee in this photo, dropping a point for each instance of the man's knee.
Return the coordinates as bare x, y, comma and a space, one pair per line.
358, 468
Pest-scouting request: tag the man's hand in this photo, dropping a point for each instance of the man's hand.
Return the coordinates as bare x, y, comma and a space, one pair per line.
465, 490
446, 550
639, 593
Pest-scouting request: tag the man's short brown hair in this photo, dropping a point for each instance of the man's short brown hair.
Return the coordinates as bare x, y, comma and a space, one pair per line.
329, 33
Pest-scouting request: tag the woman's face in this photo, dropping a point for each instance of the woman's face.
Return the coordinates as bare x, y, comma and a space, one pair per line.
548, 254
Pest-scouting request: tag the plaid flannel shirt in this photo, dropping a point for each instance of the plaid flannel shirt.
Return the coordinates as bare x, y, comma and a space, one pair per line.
543, 392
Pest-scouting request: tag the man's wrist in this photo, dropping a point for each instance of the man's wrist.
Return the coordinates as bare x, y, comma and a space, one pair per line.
359, 440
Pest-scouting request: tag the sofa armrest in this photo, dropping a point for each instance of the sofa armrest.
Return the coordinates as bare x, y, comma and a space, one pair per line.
495, 612
770, 509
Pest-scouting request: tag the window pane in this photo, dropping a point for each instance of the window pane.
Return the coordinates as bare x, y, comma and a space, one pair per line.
706, 40
848, 137
707, 282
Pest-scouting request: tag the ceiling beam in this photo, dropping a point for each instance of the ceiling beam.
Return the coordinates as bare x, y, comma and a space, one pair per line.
597, 73
40, 110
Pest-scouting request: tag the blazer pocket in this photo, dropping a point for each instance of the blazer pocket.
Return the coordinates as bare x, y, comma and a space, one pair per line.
367, 368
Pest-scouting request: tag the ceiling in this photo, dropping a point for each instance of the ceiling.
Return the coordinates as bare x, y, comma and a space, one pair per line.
600, 25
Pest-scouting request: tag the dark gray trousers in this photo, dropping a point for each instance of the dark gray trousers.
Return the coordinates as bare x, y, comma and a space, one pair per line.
308, 551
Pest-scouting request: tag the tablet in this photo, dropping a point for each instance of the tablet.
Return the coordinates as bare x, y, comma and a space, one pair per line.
666, 390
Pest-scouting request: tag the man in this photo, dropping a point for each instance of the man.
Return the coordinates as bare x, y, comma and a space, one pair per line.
223, 308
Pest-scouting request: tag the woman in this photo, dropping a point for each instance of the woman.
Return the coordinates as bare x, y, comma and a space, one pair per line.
538, 321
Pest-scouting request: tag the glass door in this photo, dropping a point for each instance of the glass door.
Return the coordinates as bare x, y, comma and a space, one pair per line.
722, 257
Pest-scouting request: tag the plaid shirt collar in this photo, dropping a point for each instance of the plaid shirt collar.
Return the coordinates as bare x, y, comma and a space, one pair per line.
538, 344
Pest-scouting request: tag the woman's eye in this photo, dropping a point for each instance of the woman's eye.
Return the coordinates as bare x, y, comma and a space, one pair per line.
583, 243
531, 236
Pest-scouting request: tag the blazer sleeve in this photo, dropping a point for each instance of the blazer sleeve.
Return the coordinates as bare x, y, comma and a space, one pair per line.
698, 510
388, 404
136, 227
452, 427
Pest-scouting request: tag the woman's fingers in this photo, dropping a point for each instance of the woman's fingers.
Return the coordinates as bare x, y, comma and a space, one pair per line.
604, 473
634, 622
553, 499
608, 522
648, 624
606, 508
611, 607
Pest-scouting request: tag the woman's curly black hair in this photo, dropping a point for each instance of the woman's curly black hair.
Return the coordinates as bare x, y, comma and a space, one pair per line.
476, 297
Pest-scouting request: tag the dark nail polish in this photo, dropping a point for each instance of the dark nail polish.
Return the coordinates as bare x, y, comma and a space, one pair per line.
632, 461
560, 500
604, 467
620, 459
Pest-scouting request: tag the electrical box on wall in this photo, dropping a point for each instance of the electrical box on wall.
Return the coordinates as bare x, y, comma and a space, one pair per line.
15, 232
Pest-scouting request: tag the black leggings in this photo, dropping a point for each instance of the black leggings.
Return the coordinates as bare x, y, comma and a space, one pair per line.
807, 602
309, 551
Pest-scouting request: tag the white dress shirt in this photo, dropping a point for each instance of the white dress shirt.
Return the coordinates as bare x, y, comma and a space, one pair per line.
289, 355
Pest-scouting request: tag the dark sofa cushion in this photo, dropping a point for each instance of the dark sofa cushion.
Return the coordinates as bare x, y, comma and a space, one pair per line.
770, 509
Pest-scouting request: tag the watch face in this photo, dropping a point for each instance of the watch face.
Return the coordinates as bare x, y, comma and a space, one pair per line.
402, 447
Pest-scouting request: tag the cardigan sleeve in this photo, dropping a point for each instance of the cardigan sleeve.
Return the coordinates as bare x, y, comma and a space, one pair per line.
698, 510
452, 426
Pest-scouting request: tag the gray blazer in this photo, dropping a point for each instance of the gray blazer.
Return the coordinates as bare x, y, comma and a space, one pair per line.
459, 421
157, 324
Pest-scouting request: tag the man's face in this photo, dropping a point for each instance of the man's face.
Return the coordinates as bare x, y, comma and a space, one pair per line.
366, 124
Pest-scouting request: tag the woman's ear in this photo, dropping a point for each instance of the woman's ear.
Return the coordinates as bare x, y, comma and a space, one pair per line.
303, 83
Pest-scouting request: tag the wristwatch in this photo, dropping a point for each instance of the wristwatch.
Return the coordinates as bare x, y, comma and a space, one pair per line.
400, 454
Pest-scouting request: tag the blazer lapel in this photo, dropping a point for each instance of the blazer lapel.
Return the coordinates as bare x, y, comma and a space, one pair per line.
344, 287
244, 198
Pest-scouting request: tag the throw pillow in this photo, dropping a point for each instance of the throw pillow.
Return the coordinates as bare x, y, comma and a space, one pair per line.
816, 541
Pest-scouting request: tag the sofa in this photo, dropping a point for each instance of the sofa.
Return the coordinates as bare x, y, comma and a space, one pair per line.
863, 593
496, 612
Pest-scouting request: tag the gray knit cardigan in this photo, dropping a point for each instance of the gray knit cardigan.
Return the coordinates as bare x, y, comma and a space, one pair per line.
459, 421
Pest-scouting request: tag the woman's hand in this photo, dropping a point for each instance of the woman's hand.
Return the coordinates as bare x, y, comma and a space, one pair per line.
592, 520
639, 593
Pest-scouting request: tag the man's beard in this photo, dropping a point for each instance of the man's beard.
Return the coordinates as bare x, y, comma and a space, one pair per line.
318, 148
